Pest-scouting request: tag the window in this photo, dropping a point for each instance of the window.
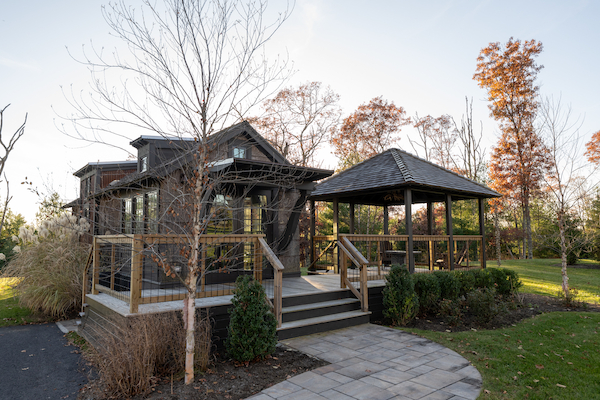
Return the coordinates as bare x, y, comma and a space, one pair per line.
144, 164
239, 152
140, 213
127, 216
138, 204
221, 221
152, 211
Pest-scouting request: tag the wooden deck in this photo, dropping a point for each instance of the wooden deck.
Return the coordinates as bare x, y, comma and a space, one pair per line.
299, 286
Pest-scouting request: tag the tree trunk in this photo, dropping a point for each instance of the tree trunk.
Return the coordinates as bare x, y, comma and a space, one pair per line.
563, 254
190, 326
527, 226
497, 234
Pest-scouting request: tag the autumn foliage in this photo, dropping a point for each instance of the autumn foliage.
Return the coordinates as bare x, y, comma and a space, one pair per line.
592, 147
297, 121
518, 161
371, 129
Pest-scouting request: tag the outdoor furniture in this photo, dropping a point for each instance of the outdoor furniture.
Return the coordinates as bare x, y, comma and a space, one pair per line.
399, 256
384, 256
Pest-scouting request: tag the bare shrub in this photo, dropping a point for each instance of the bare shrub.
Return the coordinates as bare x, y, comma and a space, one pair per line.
135, 350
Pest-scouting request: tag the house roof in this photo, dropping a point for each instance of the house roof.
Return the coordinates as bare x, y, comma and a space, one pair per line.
106, 165
382, 179
242, 169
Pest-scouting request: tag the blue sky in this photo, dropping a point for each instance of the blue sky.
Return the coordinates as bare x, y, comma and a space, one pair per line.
419, 54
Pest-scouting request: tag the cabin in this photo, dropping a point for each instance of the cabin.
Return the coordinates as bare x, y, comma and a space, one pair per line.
250, 215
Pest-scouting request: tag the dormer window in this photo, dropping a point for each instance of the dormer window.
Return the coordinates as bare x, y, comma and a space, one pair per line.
144, 164
239, 152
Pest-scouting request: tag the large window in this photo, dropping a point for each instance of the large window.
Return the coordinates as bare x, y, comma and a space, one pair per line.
140, 213
221, 216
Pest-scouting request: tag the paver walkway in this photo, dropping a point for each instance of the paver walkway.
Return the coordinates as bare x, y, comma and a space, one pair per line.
375, 362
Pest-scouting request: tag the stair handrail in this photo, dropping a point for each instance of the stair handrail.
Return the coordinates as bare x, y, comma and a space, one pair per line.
278, 280
350, 252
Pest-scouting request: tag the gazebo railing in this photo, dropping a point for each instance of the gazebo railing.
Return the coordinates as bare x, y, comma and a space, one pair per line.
430, 252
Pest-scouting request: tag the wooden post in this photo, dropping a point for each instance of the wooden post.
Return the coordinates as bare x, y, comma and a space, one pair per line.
257, 261
449, 231
386, 220
112, 267
137, 270
343, 270
351, 209
409, 229
430, 222
96, 268
277, 296
336, 230
313, 250
364, 290
482, 232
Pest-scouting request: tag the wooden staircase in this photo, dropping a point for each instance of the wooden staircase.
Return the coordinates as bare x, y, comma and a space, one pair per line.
320, 312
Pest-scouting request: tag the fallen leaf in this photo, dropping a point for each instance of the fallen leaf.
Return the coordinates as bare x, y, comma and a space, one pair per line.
539, 366
569, 362
561, 386
536, 380
520, 356
487, 391
528, 387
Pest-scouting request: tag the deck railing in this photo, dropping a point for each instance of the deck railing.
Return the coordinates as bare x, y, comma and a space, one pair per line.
144, 269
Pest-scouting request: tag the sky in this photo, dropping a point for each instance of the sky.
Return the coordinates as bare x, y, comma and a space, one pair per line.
419, 54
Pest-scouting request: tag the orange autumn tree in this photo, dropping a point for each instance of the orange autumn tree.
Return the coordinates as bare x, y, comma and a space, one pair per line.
592, 149
298, 121
518, 161
371, 129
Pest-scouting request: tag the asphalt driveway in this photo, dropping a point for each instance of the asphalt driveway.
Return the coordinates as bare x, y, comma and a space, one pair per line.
37, 363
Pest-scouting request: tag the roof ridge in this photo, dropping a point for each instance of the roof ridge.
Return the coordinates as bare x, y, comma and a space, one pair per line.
483, 185
403, 169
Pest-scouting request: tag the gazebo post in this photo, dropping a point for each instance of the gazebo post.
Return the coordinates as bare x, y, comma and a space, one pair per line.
313, 253
482, 231
336, 221
386, 220
449, 231
351, 224
430, 233
409, 229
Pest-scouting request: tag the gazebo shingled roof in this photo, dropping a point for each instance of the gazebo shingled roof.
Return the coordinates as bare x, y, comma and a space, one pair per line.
381, 180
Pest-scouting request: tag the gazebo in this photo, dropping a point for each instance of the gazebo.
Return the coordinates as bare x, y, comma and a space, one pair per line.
394, 178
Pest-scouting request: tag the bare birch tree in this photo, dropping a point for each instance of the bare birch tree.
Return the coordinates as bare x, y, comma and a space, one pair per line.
8, 144
192, 67
569, 173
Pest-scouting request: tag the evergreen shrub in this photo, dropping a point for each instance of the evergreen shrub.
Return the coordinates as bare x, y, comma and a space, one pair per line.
428, 290
400, 301
449, 284
483, 305
252, 325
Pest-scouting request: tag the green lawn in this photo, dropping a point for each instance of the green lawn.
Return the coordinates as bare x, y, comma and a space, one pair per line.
550, 356
543, 277
10, 311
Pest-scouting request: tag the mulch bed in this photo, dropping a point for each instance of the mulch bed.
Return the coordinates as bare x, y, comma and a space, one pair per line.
227, 379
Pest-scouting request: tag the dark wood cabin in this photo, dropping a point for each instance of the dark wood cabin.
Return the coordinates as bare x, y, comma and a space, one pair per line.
255, 190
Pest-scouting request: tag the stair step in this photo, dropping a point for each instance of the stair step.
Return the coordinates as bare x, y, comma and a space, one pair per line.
323, 304
322, 324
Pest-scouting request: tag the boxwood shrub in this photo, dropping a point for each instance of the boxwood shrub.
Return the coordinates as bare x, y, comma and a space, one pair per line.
400, 301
